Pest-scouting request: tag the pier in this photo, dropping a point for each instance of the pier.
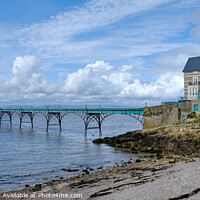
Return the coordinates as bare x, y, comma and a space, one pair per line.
87, 115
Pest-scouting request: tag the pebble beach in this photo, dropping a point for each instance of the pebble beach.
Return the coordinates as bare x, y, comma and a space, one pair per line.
148, 179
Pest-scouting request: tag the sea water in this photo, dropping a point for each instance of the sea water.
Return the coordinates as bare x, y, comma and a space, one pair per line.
30, 156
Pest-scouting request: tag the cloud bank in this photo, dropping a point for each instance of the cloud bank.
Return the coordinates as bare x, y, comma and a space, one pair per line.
96, 82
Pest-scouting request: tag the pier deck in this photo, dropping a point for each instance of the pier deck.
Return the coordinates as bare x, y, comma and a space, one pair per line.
87, 114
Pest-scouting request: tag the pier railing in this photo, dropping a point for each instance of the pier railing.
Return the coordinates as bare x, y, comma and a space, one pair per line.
88, 115
77, 110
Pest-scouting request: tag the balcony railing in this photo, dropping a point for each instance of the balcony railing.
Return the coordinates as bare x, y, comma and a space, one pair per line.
191, 83
184, 98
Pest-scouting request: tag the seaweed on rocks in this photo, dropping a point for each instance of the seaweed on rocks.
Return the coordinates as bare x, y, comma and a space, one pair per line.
163, 140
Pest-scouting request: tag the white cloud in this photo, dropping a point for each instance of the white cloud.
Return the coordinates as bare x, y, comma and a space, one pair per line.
91, 80
96, 82
126, 68
26, 78
120, 84
102, 30
174, 61
60, 38
170, 63
114, 31
93, 15
167, 86
24, 69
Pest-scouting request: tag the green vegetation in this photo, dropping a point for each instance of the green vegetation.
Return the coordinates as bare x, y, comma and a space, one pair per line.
197, 120
149, 112
192, 115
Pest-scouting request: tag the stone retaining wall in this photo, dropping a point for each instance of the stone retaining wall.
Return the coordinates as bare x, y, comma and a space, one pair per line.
163, 115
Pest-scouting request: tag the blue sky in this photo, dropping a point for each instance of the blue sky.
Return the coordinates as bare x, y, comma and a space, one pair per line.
31, 11
96, 52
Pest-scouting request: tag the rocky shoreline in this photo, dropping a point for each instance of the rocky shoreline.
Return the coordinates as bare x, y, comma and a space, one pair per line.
171, 172
171, 140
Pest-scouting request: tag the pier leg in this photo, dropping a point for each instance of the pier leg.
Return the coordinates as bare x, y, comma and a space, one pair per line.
10, 120
85, 134
88, 118
47, 129
100, 132
20, 122
98, 119
32, 122
21, 116
59, 117
60, 125
86, 121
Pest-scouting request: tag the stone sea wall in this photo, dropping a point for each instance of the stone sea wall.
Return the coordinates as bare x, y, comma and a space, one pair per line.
162, 115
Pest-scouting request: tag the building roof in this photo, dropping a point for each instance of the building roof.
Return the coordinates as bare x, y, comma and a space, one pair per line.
193, 64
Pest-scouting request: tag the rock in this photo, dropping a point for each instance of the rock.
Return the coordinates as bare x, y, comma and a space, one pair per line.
172, 161
72, 170
98, 141
137, 161
190, 160
37, 187
159, 155
100, 167
174, 139
27, 185
86, 171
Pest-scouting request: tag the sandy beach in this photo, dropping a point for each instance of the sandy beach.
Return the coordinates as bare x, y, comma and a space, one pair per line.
150, 179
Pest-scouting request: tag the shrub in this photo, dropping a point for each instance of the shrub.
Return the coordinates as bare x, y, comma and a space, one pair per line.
196, 120
191, 115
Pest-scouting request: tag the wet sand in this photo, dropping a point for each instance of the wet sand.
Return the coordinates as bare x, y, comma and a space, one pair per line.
150, 179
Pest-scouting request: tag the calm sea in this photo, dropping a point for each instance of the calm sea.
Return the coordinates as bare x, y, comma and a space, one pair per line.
33, 156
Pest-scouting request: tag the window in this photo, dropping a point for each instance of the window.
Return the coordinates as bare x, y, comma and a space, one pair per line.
196, 91
193, 92
195, 80
190, 91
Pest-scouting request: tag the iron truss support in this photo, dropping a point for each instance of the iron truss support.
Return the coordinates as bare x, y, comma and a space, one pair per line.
139, 117
90, 117
87, 117
9, 115
58, 116
22, 115
98, 118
